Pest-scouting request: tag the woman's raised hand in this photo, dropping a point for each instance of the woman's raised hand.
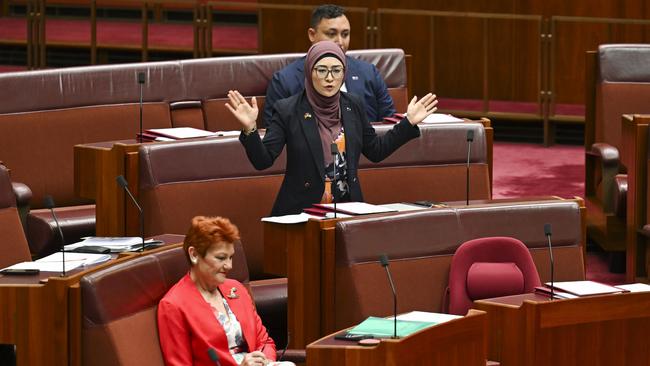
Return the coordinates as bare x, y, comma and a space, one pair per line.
245, 113
418, 110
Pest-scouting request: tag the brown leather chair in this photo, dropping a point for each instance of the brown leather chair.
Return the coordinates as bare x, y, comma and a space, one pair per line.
119, 325
617, 83
12, 237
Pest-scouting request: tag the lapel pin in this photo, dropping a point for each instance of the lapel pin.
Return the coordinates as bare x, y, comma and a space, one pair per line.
348, 109
232, 294
354, 77
307, 115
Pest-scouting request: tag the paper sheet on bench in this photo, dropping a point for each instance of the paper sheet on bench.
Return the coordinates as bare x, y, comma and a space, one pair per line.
52, 263
635, 287
116, 244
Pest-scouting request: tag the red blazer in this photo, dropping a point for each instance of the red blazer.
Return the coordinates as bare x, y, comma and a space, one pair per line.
188, 328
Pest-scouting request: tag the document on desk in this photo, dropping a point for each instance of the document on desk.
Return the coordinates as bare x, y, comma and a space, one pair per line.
355, 208
384, 327
425, 316
116, 244
585, 288
53, 262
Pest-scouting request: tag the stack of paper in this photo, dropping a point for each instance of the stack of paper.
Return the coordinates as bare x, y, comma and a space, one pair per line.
353, 208
115, 244
571, 289
54, 262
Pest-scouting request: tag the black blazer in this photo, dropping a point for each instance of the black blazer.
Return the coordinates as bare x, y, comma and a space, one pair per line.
294, 125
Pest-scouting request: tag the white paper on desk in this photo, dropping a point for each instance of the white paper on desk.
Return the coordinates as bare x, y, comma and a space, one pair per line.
228, 133
289, 219
178, 133
441, 118
47, 267
53, 263
115, 244
584, 288
402, 207
635, 287
357, 208
425, 316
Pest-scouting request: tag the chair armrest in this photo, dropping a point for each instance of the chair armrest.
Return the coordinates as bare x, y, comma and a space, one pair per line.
607, 153
620, 195
609, 164
23, 194
293, 355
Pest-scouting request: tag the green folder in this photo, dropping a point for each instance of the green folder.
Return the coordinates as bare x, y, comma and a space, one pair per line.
384, 327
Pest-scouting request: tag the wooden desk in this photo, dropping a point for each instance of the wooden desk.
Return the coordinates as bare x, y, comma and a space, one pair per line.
305, 254
96, 167
41, 314
457, 342
634, 156
600, 330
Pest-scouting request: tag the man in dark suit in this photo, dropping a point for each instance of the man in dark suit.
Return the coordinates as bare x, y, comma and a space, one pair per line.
328, 22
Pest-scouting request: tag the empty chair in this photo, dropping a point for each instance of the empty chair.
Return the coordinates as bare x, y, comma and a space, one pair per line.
618, 82
489, 267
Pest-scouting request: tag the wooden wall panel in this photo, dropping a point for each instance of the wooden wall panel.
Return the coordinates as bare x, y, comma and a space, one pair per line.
284, 28
451, 58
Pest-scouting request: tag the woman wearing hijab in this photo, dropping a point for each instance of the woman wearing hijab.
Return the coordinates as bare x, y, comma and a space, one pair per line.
310, 122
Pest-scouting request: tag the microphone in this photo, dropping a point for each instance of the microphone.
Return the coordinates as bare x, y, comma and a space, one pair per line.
213, 356
383, 259
141, 82
547, 232
125, 185
335, 155
48, 202
285, 346
470, 139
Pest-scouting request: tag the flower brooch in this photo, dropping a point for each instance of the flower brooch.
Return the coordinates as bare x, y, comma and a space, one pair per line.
233, 294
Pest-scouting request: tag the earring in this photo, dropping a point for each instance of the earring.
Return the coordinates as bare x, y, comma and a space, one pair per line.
193, 260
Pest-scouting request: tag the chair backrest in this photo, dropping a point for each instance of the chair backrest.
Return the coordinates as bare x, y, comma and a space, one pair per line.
621, 85
119, 324
421, 245
12, 237
182, 179
489, 267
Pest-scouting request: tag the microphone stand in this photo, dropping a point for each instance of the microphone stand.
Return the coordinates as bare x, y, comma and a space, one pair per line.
335, 158
125, 185
384, 262
470, 139
48, 202
547, 232
141, 82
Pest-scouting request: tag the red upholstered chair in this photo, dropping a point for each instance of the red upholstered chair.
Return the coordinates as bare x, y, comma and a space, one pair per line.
489, 267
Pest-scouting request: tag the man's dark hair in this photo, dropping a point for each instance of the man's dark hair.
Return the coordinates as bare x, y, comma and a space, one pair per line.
327, 11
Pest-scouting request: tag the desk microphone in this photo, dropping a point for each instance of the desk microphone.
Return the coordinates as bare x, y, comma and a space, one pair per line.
48, 202
213, 356
383, 259
470, 139
547, 232
335, 158
124, 184
141, 82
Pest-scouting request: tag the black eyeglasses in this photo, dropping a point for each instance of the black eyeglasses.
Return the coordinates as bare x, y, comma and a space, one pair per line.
336, 72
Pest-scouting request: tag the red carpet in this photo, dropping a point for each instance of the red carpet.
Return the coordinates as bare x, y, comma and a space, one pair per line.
522, 170
124, 34
534, 170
